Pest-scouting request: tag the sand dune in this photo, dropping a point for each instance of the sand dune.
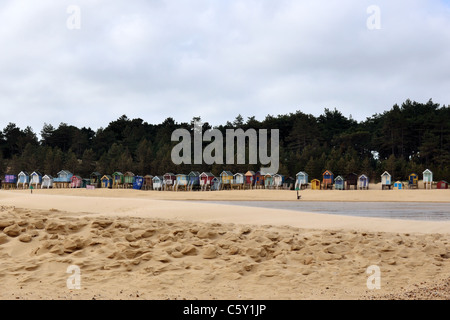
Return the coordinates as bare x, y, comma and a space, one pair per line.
140, 248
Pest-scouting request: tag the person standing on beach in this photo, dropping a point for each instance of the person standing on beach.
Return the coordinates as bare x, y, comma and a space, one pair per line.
31, 189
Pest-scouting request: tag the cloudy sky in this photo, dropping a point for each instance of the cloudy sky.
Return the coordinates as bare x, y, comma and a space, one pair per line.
86, 63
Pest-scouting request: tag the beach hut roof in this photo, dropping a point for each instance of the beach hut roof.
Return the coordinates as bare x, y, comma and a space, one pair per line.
95, 173
238, 174
36, 172
386, 174
47, 176
107, 176
363, 176
327, 172
23, 173
208, 174
76, 177
157, 178
339, 178
226, 173
117, 173
129, 174
427, 171
148, 176
301, 173
194, 174
64, 172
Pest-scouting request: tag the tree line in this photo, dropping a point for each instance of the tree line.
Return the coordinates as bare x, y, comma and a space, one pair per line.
405, 139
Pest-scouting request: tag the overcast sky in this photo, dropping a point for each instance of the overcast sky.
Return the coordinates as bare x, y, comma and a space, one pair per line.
217, 59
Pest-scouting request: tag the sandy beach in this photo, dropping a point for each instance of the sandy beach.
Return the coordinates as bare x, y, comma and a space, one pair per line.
129, 244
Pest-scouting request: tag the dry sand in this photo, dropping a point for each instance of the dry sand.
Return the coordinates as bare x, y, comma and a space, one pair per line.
132, 244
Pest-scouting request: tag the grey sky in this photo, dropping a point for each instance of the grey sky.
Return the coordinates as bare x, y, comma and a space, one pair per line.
217, 59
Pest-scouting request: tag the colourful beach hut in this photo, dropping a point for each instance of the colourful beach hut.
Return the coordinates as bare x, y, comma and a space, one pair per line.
47, 181
278, 180
169, 181
63, 179
363, 182
107, 181
148, 182
76, 182
194, 180
238, 181
128, 179
268, 181
35, 179
442, 184
249, 179
226, 178
10, 181
351, 180
23, 179
138, 182
327, 179
95, 178
398, 185
205, 180
427, 179
289, 183
181, 182
215, 184
339, 183
386, 182
301, 180
259, 180
315, 184
158, 183
118, 179
413, 181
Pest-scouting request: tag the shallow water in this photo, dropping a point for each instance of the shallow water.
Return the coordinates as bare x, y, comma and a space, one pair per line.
391, 210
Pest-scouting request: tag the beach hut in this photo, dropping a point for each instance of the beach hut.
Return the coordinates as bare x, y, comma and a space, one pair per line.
95, 178
63, 179
85, 182
442, 184
249, 179
363, 182
205, 180
386, 182
158, 183
351, 180
181, 182
194, 180
238, 181
268, 181
169, 181
138, 182
413, 181
75, 182
289, 183
215, 184
128, 179
259, 180
148, 182
327, 179
10, 181
35, 179
427, 179
398, 185
301, 180
118, 179
278, 180
339, 183
315, 184
226, 178
107, 181
47, 181
23, 179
